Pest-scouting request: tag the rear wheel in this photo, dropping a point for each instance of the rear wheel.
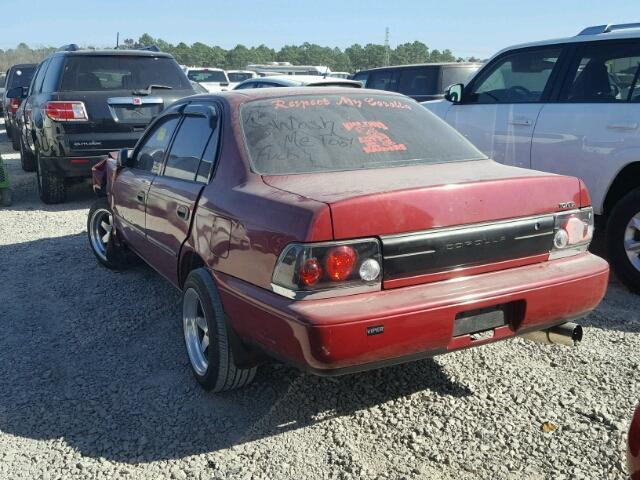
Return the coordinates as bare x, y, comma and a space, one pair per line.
104, 244
15, 139
623, 239
5, 197
27, 159
51, 187
206, 336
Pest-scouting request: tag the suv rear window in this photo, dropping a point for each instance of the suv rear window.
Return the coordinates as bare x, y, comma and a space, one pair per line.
100, 72
323, 133
21, 77
239, 76
207, 76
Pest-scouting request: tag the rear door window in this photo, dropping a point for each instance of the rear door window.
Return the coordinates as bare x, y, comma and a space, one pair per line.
419, 81
384, 80
604, 73
121, 72
21, 77
520, 77
204, 76
187, 148
150, 155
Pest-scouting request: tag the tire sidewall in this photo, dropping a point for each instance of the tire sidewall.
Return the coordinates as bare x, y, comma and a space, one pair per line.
214, 315
621, 214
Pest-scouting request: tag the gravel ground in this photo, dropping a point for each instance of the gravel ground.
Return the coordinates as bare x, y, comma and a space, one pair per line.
94, 383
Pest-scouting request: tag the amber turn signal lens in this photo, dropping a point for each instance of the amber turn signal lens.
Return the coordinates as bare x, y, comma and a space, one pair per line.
340, 262
310, 272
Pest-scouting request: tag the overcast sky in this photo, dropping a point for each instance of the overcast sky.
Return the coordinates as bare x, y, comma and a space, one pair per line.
477, 28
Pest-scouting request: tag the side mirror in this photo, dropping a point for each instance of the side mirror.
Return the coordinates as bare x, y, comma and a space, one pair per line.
123, 160
454, 93
17, 92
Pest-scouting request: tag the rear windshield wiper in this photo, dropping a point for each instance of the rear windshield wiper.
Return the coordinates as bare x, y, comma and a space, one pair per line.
147, 91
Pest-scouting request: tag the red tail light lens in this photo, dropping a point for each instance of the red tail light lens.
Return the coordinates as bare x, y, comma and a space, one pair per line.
310, 272
66, 111
329, 266
573, 232
14, 104
339, 263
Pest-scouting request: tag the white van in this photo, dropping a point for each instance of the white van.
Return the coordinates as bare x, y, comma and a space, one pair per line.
213, 79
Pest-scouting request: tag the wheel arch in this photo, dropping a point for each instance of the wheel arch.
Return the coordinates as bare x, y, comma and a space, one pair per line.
189, 260
627, 179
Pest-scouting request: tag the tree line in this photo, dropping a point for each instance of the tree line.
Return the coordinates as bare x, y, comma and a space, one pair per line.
351, 59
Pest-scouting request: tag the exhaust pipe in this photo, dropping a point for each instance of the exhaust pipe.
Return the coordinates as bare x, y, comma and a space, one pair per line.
569, 334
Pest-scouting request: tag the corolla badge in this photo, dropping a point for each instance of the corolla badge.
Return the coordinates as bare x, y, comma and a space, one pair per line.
475, 243
565, 205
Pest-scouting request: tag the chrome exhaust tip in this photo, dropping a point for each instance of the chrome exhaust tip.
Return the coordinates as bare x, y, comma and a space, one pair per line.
568, 334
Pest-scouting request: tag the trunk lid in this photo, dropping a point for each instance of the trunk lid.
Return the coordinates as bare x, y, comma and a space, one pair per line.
412, 199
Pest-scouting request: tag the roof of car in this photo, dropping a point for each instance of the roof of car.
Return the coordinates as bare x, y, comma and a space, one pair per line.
208, 69
113, 52
249, 94
302, 80
413, 65
627, 33
23, 65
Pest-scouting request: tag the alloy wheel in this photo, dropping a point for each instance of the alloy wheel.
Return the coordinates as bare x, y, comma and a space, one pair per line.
101, 227
196, 331
632, 240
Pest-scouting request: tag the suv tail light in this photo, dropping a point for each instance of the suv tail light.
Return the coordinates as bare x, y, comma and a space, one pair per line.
306, 268
572, 233
67, 111
14, 104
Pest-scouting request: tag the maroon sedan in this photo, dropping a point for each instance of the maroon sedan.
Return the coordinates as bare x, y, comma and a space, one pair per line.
633, 448
340, 230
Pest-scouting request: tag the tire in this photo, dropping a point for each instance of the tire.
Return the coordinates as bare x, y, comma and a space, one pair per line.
15, 140
201, 307
6, 199
27, 159
8, 130
112, 254
623, 240
51, 187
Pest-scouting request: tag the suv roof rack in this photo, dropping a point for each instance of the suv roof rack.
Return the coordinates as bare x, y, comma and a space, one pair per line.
608, 28
150, 48
71, 47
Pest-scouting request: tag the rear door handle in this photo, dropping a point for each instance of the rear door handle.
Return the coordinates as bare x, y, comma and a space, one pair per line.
520, 121
140, 196
182, 212
623, 126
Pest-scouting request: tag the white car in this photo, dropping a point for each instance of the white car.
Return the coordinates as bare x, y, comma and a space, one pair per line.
213, 79
297, 81
568, 106
237, 76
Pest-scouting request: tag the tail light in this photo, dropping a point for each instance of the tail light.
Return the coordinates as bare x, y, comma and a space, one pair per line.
330, 267
14, 104
66, 111
572, 233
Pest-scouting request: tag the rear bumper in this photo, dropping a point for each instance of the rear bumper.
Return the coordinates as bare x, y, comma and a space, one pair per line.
71, 166
329, 336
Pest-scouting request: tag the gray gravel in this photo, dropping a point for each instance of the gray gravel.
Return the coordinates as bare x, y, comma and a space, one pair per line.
94, 383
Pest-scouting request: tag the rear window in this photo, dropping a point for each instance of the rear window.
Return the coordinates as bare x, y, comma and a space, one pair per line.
100, 72
453, 75
207, 76
239, 77
21, 77
324, 133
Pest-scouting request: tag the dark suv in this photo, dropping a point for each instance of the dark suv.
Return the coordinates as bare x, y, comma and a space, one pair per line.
82, 104
17, 76
421, 82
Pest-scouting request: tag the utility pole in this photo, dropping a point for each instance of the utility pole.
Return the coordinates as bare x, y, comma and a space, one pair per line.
117, 40
386, 47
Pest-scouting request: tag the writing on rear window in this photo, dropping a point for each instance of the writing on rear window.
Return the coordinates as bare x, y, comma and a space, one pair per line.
307, 133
